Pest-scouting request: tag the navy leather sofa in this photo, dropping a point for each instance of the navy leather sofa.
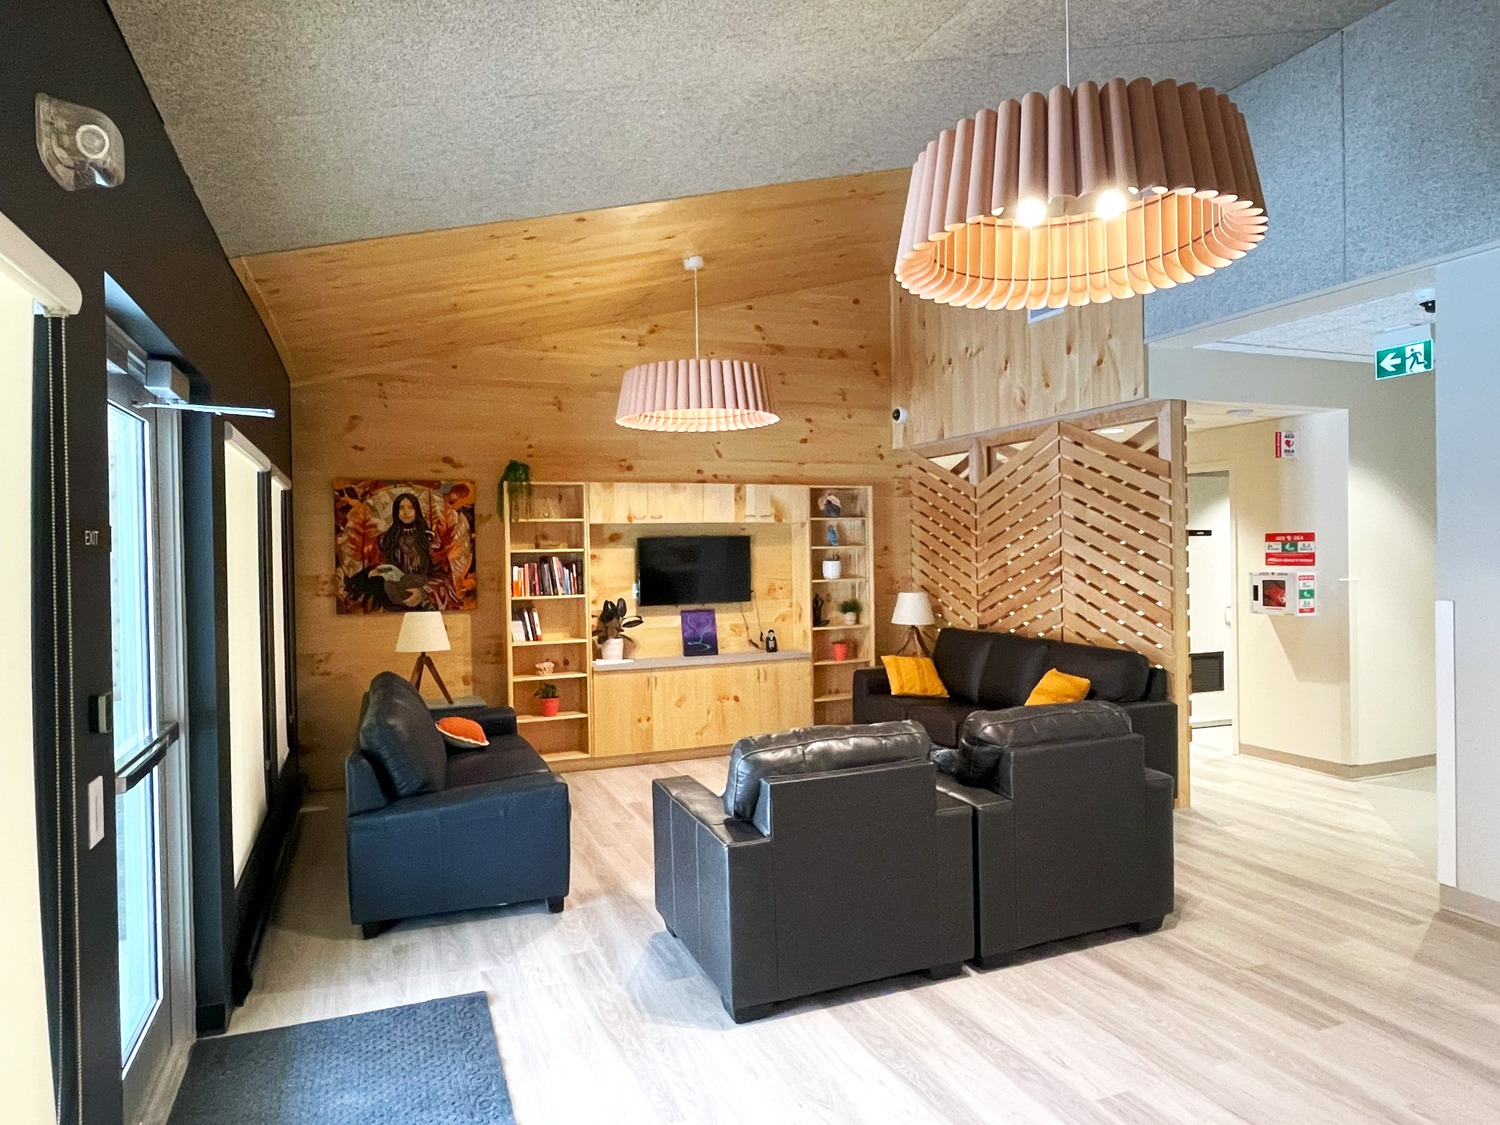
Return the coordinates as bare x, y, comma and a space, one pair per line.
432, 831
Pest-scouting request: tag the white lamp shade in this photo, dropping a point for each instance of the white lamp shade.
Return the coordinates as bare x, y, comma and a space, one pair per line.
423, 632
912, 608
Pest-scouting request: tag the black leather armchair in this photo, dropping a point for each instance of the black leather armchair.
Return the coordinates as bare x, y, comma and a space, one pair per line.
830, 860
1072, 833
431, 832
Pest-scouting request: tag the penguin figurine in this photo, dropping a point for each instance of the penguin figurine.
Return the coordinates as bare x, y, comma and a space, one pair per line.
771, 641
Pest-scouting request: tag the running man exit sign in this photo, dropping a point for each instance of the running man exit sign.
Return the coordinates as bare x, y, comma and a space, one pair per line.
1403, 351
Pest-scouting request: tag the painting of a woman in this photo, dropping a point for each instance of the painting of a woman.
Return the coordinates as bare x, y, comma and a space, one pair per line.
404, 545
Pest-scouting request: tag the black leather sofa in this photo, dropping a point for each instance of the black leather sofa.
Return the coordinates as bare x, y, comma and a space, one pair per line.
1072, 833
432, 832
987, 671
830, 860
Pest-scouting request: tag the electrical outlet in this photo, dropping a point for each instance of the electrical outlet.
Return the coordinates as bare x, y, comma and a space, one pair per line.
96, 811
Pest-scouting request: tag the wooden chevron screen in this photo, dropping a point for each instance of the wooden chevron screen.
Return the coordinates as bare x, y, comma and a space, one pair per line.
1055, 529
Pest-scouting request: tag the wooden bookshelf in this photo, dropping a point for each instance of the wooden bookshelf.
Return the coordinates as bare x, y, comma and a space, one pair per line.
849, 536
550, 522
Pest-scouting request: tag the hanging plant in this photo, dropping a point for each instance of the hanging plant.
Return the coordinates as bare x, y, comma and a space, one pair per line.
517, 480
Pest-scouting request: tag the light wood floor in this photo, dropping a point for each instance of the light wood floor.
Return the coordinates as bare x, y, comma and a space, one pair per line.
1307, 977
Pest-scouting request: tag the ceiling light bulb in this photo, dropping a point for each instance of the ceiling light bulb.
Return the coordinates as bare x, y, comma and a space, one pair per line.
1111, 203
1031, 211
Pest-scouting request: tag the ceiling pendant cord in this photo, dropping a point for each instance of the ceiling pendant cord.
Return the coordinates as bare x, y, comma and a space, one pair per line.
1067, 46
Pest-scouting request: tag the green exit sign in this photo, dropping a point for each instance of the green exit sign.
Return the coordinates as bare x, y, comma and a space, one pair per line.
1405, 351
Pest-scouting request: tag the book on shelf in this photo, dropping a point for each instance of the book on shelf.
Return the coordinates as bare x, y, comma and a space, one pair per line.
527, 622
547, 577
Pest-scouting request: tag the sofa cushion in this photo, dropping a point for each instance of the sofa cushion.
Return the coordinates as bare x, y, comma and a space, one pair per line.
1116, 674
986, 735
960, 656
398, 735
914, 675
1016, 664
940, 718
1058, 687
508, 756
462, 734
815, 750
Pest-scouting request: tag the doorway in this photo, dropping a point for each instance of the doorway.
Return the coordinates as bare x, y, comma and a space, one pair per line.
1211, 564
147, 725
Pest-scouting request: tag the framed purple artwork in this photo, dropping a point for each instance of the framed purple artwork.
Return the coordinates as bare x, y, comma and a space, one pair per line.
700, 632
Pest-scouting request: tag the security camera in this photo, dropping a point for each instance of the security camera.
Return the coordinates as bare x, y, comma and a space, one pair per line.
899, 414
1427, 300
80, 147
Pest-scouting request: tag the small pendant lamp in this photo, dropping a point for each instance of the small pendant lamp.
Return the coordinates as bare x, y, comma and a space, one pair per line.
695, 395
1081, 195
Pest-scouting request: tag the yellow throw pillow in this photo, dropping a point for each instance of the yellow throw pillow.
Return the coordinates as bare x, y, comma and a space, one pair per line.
1058, 687
914, 675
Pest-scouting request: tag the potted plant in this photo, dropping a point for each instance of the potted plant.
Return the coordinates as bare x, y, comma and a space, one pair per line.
840, 650
609, 630
850, 608
547, 693
833, 566
517, 480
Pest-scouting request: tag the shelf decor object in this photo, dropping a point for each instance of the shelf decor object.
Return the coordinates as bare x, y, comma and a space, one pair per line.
695, 395
1081, 195
423, 631
914, 609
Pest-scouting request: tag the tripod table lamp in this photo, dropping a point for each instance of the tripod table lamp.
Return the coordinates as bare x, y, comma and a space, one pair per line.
914, 609
423, 632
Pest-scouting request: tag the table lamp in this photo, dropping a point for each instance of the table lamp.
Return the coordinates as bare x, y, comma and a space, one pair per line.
423, 632
914, 609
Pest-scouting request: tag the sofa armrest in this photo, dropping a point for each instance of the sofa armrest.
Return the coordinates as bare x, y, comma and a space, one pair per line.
362, 791
1156, 722
871, 681
715, 889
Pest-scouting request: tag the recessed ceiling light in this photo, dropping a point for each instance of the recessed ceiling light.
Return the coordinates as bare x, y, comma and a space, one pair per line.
1241, 412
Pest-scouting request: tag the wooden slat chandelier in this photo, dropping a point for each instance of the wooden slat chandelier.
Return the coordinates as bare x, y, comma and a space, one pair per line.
695, 395
1081, 195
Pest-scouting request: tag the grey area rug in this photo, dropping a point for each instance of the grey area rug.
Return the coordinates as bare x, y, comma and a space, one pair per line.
435, 1063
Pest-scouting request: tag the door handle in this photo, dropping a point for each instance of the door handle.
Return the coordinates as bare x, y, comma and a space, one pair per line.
136, 770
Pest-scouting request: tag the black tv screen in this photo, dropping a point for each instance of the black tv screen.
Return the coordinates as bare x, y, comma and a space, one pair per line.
693, 569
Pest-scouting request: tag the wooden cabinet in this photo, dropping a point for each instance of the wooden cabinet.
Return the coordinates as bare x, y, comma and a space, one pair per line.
691, 502
671, 709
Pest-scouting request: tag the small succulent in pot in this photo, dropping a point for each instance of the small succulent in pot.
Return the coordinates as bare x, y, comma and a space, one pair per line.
547, 694
850, 608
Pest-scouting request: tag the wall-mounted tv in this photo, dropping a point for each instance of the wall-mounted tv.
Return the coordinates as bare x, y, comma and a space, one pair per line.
693, 569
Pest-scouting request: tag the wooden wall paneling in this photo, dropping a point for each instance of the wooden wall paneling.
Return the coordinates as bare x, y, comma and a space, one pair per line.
944, 543
961, 371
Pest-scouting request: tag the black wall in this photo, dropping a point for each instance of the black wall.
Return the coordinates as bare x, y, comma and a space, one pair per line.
152, 237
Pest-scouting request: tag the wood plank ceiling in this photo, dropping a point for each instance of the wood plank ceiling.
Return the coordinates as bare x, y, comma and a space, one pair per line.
361, 308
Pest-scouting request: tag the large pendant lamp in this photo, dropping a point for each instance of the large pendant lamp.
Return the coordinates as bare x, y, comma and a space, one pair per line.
695, 395
1081, 195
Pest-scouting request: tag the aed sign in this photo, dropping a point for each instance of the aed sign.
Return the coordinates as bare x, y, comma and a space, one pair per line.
1403, 351
1291, 548
1286, 443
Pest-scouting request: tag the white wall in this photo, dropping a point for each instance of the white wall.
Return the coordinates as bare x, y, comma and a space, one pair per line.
1383, 542
1468, 489
1293, 673
25, 1059
247, 734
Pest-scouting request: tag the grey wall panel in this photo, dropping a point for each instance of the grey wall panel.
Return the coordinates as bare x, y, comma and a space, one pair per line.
1296, 121
1422, 98
1378, 151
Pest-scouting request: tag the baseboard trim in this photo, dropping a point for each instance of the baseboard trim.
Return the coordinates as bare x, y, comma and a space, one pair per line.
1477, 908
1339, 769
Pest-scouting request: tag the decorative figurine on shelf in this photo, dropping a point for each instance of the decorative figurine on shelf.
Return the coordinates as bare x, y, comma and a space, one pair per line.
546, 668
830, 504
833, 535
771, 645
818, 610
609, 631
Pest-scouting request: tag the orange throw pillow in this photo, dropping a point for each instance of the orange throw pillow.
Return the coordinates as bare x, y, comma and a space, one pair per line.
914, 675
1058, 687
462, 734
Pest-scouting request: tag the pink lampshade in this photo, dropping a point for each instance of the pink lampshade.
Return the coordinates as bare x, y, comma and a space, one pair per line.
695, 396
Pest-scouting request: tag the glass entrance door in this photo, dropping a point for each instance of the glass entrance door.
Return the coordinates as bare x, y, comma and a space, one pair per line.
143, 577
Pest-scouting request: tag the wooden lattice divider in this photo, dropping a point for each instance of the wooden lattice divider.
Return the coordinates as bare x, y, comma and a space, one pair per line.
1053, 529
